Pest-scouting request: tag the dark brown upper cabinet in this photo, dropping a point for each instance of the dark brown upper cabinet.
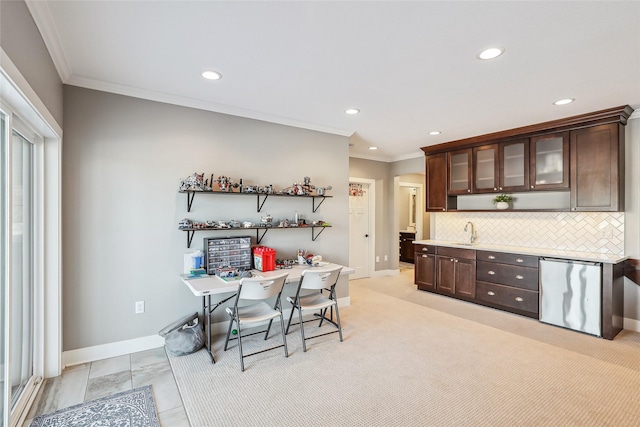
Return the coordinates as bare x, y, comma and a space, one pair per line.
581, 154
597, 168
459, 167
514, 166
486, 169
550, 162
436, 182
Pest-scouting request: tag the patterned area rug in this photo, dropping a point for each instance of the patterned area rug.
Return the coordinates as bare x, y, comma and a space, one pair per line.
132, 408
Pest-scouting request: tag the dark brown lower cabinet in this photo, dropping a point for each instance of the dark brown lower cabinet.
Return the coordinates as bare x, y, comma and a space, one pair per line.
425, 267
456, 272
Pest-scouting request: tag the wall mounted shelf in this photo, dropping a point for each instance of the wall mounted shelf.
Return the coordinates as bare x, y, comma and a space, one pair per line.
259, 236
261, 198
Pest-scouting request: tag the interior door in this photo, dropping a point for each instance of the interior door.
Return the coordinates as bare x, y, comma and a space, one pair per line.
359, 230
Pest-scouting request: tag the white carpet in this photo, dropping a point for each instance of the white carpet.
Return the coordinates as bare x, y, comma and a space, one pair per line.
403, 364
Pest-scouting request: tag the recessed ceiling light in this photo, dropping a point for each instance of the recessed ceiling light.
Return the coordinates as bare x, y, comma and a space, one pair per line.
211, 75
435, 132
352, 111
491, 53
373, 148
564, 101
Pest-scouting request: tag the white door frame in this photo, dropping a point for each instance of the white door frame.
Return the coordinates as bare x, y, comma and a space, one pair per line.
372, 221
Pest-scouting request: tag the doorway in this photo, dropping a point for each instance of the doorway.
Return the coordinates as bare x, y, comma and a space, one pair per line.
409, 218
361, 227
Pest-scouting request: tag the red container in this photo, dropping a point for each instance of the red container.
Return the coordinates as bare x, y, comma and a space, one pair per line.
264, 258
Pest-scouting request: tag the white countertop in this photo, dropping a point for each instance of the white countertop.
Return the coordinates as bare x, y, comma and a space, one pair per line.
554, 253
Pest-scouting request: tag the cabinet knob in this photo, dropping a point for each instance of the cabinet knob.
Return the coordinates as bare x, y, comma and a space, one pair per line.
455, 260
519, 277
491, 257
519, 299
500, 188
519, 260
451, 260
533, 186
491, 293
443, 209
469, 191
495, 189
491, 272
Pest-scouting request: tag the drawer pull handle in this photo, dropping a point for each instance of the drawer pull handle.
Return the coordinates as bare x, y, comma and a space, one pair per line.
425, 256
491, 293
519, 277
425, 249
519, 299
519, 260
491, 272
491, 257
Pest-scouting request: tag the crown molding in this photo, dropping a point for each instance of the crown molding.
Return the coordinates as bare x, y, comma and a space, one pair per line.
635, 114
151, 95
44, 21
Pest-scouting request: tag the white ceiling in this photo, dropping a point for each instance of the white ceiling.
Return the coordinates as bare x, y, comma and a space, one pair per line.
410, 67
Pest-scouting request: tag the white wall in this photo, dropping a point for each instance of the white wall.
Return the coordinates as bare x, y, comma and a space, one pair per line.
122, 160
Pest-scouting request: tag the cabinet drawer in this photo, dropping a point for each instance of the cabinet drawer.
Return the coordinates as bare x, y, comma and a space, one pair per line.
425, 249
506, 296
457, 252
507, 258
510, 275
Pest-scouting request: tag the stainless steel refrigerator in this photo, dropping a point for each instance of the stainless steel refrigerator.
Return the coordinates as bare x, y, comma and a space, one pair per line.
570, 294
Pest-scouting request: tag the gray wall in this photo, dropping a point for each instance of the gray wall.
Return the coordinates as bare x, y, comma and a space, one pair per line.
378, 171
632, 214
383, 173
22, 42
122, 160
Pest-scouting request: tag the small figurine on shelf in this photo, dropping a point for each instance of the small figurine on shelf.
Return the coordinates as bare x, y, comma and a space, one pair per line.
185, 223
225, 183
194, 182
321, 190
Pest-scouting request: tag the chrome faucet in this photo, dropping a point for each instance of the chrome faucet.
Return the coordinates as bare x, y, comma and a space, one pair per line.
474, 235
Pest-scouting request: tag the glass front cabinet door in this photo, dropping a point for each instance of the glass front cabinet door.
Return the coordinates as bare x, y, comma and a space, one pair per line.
514, 166
485, 169
550, 162
460, 172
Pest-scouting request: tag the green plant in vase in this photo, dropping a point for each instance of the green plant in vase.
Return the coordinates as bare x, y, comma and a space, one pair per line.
502, 201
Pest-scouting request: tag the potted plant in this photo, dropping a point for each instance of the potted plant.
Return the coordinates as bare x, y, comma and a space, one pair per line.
502, 201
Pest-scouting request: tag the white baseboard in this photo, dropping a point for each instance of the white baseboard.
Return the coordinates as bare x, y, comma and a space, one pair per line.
631, 324
105, 351
383, 273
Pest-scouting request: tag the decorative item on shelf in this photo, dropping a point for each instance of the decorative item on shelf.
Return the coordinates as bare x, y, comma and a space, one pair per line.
502, 201
266, 221
322, 190
185, 223
195, 182
226, 184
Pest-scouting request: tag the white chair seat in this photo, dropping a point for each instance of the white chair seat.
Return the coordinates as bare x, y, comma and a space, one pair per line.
313, 302
255, 313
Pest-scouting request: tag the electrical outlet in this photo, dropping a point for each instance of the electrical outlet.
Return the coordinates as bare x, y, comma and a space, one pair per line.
139, 307
607, 234
386, 258
377, 258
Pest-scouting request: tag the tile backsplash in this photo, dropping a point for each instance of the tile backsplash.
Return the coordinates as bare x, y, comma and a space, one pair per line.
600, 232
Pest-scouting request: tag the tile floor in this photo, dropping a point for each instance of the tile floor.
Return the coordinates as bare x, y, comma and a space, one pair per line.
89, 381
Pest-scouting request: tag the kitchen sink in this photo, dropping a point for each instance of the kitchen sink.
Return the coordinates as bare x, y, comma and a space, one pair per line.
462, 243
